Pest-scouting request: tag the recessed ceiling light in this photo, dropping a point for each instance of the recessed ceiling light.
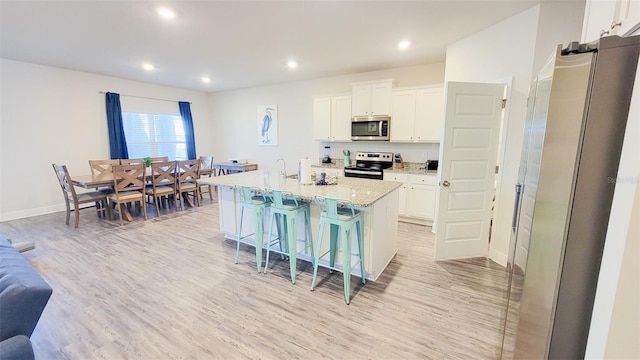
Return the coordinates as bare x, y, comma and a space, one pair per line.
404, 45
166, 13
148, 66
292, 64
206, 80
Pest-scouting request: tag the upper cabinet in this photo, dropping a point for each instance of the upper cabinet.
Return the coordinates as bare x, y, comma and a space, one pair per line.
332, 118
418, 114
371, 98
605, 18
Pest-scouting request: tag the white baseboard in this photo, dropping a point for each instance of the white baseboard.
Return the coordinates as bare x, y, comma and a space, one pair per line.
498, 257
13, 215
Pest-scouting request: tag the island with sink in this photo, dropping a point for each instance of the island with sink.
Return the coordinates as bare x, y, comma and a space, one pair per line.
376, 200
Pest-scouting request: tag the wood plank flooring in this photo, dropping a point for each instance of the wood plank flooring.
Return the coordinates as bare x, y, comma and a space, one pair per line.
168, 288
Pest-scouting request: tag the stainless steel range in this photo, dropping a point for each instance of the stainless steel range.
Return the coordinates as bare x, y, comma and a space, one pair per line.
370, 165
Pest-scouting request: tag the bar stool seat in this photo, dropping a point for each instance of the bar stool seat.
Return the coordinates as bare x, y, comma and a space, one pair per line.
252, 199
341, 216
285, 209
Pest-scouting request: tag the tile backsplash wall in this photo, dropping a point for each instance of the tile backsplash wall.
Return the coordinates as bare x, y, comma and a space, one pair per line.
418, 153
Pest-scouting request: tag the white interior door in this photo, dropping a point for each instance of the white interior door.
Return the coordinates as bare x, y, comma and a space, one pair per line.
473, 113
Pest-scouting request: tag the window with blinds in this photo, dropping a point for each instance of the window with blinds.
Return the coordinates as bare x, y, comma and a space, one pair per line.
154, 135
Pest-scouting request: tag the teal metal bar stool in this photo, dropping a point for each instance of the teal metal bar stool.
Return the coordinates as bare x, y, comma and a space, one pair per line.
253, 199
341, 215
285, 209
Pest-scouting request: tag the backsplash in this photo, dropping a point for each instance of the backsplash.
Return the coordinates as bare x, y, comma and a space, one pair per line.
418, 153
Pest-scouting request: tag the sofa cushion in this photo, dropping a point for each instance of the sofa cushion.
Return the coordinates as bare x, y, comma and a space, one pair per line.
16, 348
23, 293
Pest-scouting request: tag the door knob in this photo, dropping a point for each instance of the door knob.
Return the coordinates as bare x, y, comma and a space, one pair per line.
446, 183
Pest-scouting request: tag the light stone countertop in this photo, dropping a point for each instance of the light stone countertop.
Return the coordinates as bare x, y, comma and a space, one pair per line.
413, 169
338, 165
361, 192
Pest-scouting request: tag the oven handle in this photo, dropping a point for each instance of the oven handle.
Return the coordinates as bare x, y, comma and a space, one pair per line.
363, 172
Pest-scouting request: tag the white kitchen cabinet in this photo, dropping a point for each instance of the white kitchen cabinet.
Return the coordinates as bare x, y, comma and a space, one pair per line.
421, 196
402, 203
605, 18
332, 118
418, 114
371, 98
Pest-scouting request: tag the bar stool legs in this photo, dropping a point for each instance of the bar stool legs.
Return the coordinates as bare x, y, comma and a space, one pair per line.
258, 204
287, 211
340, 225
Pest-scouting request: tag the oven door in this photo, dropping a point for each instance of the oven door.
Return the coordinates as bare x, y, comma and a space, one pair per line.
369, 129
363, 174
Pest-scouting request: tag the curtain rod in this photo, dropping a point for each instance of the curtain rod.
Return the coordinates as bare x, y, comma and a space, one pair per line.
143, 97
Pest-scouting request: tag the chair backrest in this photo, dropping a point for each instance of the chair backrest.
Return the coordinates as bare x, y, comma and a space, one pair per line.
206, 162
99, 167
249, 195
281, 198
65, 181
163, 173
128, 177
330, 206
159, 159
131, 161
189, 171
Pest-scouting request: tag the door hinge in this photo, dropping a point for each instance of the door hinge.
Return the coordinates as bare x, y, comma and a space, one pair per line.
504, 103
497, 168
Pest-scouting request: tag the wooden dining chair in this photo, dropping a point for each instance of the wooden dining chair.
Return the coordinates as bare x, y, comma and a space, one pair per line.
206, 170
159, 159
71, 198
129, 186
163, 183
131, 161
103, 168
188, 174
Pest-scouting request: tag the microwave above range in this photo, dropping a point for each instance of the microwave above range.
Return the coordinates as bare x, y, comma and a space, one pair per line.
370, 128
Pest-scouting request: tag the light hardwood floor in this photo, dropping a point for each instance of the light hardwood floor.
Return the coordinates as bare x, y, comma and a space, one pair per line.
168, 288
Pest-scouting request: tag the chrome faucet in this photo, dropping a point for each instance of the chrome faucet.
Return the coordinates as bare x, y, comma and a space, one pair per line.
284, 168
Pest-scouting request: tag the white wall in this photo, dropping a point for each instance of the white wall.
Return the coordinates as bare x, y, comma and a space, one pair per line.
52, 115
512, 49
234, 114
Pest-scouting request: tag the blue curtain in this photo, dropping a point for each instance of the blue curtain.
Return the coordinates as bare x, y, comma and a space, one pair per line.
117, 141
187, 121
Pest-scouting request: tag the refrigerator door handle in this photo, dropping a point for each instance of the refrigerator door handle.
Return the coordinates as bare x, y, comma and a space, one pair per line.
516, 206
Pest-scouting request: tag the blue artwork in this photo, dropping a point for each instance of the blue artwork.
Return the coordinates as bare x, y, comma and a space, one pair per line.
268, 125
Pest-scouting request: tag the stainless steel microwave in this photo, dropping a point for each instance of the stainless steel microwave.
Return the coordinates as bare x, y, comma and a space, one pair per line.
370, 128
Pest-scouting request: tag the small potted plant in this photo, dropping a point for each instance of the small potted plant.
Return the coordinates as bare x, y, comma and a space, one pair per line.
147, 161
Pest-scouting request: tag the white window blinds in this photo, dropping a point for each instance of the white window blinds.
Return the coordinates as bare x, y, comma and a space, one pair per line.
154, 135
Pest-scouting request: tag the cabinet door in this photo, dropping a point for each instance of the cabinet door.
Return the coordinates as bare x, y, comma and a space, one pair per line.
381, 99
598, 17
322, 119
629, 16
361, 100
429, 115
402, 203
341, 118
421, 201
404, 115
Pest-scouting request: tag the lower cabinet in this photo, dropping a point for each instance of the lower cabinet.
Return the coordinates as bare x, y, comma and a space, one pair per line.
417, 196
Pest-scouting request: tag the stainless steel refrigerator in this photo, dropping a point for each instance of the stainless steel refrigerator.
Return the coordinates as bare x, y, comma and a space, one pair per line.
576, 119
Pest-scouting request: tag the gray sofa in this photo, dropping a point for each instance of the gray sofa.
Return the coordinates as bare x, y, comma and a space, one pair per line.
23, 296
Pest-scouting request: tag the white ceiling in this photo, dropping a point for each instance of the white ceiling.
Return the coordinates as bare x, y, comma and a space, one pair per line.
239, 44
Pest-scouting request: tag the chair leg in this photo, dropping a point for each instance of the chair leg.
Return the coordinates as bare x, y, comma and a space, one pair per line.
77, 214
292, 241
239, 233
317, 255
360, 250
68, 212
272, 218
333, 245
259, 236
144, 208
346, 262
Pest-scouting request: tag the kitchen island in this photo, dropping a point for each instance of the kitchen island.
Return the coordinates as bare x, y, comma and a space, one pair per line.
376, 200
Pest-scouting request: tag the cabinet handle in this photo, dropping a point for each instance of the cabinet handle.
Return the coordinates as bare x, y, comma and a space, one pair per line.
446, 183
615, 24
603, 32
